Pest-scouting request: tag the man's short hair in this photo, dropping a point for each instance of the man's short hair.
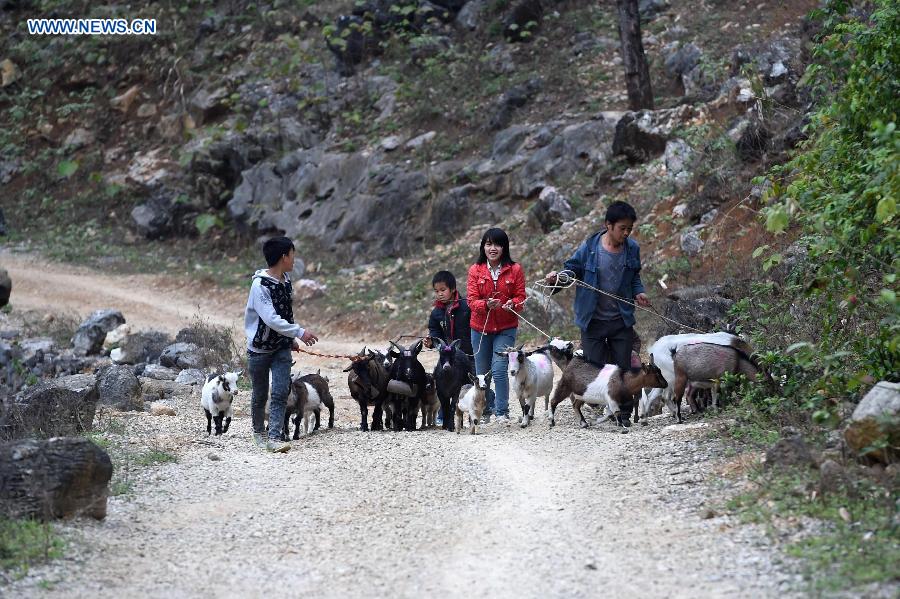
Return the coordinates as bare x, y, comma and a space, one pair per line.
275, 248
620, 210
446, 277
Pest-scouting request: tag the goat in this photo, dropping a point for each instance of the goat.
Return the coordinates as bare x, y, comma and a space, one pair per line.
307, 395
530, 375
431, 405
701, 365
368, 380
215, 399
661, 355
473, 401
450, 374
406, 387
607, 386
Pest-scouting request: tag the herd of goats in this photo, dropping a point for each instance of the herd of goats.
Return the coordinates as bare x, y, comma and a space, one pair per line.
396, 384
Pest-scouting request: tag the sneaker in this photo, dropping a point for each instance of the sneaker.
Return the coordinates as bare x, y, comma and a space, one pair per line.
485, 419
503, 419
439, 422
276, 446
259, 440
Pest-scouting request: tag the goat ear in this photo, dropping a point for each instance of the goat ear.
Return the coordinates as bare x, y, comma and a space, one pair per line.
319, 371
651, 357
570, 346
348, 369
487, 378
473, 378
520, 347
415, 349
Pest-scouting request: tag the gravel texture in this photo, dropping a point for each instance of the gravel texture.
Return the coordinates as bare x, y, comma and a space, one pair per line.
539, 512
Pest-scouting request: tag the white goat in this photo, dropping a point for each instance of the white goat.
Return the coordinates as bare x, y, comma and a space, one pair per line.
215, 399
661, 356
530, 375
472, 401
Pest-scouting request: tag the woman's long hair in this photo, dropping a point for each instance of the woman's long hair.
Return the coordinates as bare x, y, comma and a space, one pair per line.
497, 237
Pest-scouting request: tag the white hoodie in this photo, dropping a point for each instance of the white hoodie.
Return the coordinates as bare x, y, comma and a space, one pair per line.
261, 312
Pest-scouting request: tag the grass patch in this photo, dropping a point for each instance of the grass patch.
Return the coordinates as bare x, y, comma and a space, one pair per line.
858, 540
153, 457
26, 543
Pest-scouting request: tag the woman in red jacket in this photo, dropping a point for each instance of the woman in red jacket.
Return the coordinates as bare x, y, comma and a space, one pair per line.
496, 291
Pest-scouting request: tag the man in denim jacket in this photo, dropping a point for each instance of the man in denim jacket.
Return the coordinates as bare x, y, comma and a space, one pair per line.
609, 260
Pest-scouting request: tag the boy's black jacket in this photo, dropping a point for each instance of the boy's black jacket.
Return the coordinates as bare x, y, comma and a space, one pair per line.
451, 322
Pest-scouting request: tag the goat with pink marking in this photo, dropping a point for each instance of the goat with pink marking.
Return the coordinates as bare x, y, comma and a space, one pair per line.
530, 375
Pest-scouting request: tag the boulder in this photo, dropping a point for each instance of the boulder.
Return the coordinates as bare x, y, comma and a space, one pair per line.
471, 15
545, 311
89, 337
154, 218
159, 373
516, 97
54, 478
307, 289
642, 135
550, 210
34, 349
205, 105
8, 170
420, 140
123, 102
704, 313
119, 388
116, 336
9, 72
681, 59
874, 427
650, 9
712, 193
182, 355
78, 139
789, 451
56, 408
190, 376
691, 244
5, 287
140, 347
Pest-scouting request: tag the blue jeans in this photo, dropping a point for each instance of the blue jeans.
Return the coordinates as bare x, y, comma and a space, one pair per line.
259, 365
486, 359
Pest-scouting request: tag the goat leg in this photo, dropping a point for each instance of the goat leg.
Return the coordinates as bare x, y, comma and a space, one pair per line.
208, 422
227, 424
364, 416
218, 421
316, 427
577, 404
377, 416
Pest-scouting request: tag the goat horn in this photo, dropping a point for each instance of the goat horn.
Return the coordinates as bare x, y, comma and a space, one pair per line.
399, 349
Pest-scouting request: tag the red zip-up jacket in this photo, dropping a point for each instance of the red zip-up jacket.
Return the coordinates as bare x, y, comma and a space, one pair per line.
480, 288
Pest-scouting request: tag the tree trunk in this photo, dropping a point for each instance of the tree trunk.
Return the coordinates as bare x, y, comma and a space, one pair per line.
56, 478
637, 73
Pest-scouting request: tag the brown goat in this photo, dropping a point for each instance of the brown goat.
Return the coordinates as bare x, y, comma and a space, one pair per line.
609, 386
367, 379
701, 365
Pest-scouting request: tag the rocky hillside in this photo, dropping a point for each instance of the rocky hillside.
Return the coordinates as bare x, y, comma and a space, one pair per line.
379, 130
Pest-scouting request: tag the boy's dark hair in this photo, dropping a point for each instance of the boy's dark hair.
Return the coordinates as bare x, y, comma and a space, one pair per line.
619, 210
497, 237
446, 277
275, 248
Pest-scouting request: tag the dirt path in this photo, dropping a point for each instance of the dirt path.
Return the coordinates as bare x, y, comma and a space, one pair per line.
539, 512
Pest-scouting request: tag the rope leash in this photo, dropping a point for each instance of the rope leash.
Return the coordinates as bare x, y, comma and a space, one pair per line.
566, 279
313, 353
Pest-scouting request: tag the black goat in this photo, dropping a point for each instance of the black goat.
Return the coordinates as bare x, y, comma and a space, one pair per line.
407, 387
450, 374
368, 380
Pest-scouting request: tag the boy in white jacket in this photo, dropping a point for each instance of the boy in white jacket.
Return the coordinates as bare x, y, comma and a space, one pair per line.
271, 335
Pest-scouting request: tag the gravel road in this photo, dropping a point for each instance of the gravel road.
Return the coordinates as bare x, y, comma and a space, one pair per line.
539, 512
